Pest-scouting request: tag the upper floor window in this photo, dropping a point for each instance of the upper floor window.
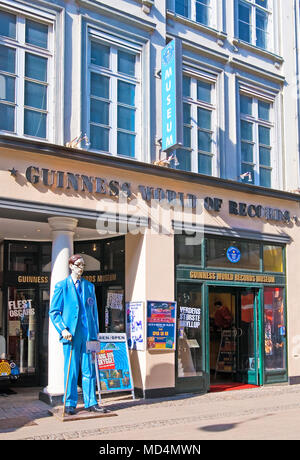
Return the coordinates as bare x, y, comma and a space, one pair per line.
256, 133
25, 68
254, 20
114, 102
198, 151
201, 11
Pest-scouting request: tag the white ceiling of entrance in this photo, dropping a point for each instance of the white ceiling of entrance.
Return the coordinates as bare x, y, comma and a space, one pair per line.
13, 229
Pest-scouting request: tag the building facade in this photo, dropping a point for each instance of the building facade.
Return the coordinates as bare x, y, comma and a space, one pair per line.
213, 221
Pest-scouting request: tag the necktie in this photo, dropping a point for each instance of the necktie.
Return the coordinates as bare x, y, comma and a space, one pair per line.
82, 308
78, 287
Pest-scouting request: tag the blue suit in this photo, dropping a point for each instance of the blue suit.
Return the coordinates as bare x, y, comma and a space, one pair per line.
77, 312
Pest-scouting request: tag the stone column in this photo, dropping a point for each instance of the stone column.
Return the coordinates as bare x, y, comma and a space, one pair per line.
62, 248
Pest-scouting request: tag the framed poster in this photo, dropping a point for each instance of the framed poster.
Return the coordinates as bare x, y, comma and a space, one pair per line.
161, 325
113, 363
135, 325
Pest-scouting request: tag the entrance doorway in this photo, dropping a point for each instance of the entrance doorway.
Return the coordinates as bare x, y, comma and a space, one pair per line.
233, 336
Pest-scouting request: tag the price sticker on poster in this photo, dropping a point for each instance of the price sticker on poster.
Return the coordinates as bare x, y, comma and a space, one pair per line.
114, 364
161, 325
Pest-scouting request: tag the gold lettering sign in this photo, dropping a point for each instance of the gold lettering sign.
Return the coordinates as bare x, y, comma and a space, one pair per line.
239, 277
33, 279
101, 278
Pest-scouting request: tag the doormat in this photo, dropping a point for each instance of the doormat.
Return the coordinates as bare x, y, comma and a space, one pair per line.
15, 422
230, 387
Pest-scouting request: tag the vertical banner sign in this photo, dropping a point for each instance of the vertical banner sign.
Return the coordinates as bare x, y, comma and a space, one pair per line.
172, 107
161, 325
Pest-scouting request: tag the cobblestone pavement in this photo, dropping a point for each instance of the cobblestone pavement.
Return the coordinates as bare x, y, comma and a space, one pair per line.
241, 414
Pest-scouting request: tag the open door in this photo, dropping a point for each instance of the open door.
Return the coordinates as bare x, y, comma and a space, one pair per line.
247, 325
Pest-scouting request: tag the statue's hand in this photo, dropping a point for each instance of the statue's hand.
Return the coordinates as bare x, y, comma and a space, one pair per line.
66, 334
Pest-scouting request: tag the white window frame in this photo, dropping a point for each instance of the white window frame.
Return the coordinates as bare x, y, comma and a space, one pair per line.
271, 124
115, 44
21, 47
212, 11
269, 31
195, 103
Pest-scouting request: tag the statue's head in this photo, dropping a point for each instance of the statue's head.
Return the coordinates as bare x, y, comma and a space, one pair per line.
76, 264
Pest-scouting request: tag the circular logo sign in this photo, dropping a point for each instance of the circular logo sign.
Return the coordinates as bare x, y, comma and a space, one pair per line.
233, 254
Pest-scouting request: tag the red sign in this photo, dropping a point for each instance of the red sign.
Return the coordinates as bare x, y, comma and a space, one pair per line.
106, 360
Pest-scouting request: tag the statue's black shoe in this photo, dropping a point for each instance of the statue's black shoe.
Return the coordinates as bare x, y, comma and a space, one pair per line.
70, 410
100, 410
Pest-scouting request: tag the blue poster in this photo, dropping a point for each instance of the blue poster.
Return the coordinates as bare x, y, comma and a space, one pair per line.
161, 325
113, 363
233, 254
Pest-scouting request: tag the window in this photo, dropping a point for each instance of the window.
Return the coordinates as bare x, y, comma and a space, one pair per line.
256, 130
254, 18
274, 325
216, 254
114, 99
200, 11
25, 63
198, 151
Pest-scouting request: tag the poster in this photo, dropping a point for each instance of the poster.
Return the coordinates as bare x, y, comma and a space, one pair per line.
161, 325
135, 325
113, 363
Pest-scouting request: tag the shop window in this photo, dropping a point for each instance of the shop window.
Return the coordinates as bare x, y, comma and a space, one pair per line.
274, 326
114, 104
273, 258
256, 131
254, 22
114, 255
23, 257
91, 253
25, 66
185, 253
22, 328
218, 254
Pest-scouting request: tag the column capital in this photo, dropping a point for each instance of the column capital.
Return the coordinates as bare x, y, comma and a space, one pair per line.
63, 224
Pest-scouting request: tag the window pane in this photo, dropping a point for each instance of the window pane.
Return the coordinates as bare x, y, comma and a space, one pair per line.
35, 95
204, 141
184, 159
244, 22
248, 169
265, 177
187, 114
274, 324
99, 138
247, 152
202, 12
36, 34
126, 93
7, 118
263, 3
203, 91
35, 67
35, 123
7, 24
265, 156
204, 118
126, 63
273, 259
7, 88
187, 254
187, 137
204, 164
246, 105
126, 118
186, 86
246, 131
264, 135
99, 85
264, 110
261, 29
7, 59
100, 54
182, 7
216, 254
126, 144
99, 112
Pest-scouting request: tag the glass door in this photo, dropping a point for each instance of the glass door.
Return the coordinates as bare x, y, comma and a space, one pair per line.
191, 374
247, 336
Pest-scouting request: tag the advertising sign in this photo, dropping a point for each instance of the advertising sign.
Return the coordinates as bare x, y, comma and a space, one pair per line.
113, 363
161, 325
135, 325
172, 107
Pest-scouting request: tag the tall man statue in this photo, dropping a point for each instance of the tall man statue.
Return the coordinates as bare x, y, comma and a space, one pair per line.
73, 312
